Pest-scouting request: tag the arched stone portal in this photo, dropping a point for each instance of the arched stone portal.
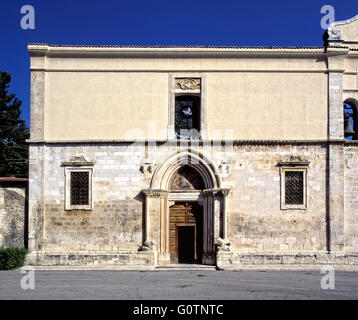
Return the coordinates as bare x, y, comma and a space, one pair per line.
165, 191
186, 218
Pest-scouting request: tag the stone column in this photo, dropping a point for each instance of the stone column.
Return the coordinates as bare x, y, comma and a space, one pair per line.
37, 102
335, 227
225, 192
146, 216
36, 230
163, 227
209, 226
156, 230
36, 198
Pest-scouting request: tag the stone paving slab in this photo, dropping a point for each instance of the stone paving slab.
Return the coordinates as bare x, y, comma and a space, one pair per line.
178, 285
178, 267
278, 267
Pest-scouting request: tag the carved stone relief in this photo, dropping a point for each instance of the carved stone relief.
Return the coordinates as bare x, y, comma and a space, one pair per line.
187, 84
148, 167
224, 167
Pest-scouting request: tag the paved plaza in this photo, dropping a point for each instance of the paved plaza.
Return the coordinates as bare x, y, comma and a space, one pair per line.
178, 285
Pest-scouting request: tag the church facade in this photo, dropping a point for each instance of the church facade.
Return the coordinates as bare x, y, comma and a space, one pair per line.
221, 156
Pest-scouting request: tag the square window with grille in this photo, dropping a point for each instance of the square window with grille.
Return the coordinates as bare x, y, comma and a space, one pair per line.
79, 188
294, 188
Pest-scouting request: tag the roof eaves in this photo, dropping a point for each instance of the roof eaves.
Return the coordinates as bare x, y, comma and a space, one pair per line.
178, 47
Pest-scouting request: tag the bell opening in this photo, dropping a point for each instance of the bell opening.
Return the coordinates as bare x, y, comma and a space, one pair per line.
350, 122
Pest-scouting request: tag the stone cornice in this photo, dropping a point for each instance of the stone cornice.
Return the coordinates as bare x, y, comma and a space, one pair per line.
138, 52
33, 47
78, 161
160, 193
349, 143
58, 51
231, 70
206, 143
294, 161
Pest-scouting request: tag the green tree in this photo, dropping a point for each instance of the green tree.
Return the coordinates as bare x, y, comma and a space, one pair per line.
13, 133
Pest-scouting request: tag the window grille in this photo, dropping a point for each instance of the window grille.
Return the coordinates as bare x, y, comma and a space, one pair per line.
187, 117
294, 188
79, 188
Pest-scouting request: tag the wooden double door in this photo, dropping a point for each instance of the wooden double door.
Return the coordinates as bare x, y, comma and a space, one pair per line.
186, 232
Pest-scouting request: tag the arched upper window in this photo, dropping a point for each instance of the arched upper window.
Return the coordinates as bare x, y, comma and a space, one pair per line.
350, 120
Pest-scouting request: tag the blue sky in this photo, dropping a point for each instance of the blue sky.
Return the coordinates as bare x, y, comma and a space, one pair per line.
195, 22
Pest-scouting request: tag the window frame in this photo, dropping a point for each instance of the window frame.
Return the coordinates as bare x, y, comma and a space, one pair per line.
354, 116
197, 104
68, 171
173, 92
285, 206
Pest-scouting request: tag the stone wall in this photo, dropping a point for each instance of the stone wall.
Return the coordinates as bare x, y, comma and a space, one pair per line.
257, 226
13, 210
114, 224
256, 222
351, 198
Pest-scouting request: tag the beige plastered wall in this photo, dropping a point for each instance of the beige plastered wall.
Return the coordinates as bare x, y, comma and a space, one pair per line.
261, 96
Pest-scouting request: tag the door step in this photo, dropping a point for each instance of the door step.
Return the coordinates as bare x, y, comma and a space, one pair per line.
183, 266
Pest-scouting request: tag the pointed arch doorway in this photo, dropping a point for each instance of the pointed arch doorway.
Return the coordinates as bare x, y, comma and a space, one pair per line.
186, 181
186, 218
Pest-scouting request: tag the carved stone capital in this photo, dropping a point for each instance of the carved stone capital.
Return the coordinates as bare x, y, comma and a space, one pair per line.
156, 193
225, 191
209, 193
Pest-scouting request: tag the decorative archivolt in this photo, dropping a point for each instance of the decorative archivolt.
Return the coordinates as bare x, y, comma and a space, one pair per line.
162, 175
